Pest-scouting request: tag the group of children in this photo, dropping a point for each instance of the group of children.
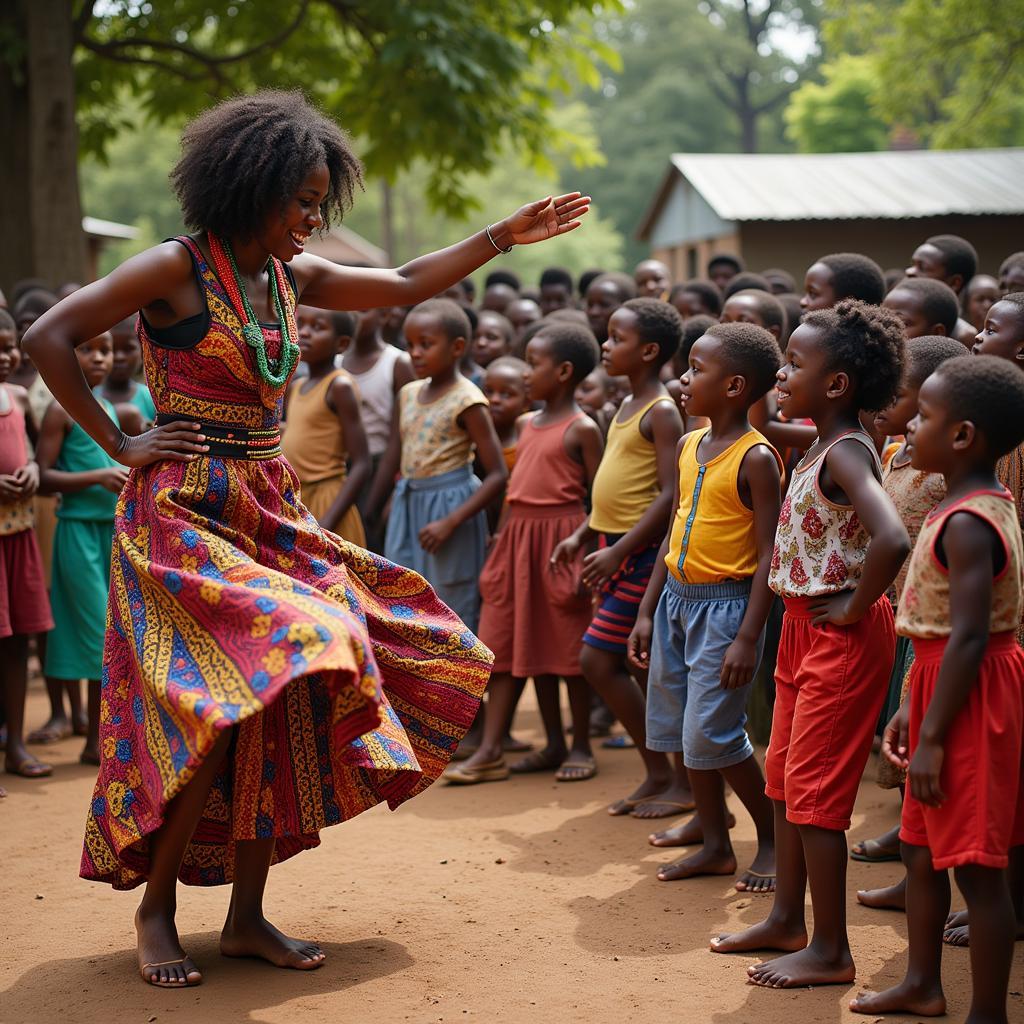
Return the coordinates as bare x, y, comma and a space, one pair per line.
614, 490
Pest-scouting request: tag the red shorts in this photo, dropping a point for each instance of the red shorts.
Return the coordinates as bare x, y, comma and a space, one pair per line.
830, 682
981, 771
24, 605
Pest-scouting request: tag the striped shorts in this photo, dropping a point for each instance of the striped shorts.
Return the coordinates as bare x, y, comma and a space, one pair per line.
619, 599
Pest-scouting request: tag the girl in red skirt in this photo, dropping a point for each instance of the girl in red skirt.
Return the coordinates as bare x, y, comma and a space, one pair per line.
535, 613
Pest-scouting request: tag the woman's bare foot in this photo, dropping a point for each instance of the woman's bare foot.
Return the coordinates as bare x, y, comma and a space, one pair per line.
652, 786
902, 998
892, 897
261, 939
803, 968
53, 730
687, 833
676, 799
703, 862
162, 961
768, 934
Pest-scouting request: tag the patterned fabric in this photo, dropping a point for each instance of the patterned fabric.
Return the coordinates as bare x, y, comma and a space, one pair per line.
350, 683
924, 607
914, 493
819, 546
432, 441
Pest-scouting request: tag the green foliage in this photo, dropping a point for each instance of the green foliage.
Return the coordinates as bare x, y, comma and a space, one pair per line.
950, 71
445, 84
836, 116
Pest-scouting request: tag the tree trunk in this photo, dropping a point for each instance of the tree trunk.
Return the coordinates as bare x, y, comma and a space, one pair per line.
748, 117
40, 207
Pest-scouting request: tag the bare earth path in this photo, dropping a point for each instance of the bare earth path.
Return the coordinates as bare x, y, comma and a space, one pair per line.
513, 901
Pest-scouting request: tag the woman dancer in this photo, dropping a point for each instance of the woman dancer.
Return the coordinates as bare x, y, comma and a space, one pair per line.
262, 678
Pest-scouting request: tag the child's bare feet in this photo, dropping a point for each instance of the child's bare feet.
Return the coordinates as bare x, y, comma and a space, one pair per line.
768, 934
162, 961
686, 833
676, 799
759, 878
577, 767
902, 998
259, 938
803, 968
53, 730
892, 897
651, 787
955, 933
703, 862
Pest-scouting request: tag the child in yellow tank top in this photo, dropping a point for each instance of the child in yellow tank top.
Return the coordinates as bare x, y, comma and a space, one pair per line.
701, 622
324, 439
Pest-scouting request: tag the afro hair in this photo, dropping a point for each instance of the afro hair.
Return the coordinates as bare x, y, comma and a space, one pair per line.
926, 354
244, 159
587, 278
989, 392
657, 322
556, 276
708, 292
624, 284
744, 282
938, 301
866, 342
694, 327
782, 281
1014, 299
576, 316
508, 363
958, 255
503, 323
571, 343
855, 276
503, 277
768, 307
452, 317
752, 352
726, 259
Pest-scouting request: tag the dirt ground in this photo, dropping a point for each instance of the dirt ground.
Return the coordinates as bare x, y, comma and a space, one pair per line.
513, 901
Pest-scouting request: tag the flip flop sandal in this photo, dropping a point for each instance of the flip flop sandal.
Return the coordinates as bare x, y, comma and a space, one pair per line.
49, 734
672, 808
862, 851
463, 775
538, 761
513, 746
167, 984
576, 771
31, 769
623, 807
622, 742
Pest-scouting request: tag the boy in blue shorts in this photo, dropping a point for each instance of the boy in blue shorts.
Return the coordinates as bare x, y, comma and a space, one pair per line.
701, 621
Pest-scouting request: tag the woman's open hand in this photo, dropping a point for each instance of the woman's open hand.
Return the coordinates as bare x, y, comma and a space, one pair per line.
178, 441
545, 218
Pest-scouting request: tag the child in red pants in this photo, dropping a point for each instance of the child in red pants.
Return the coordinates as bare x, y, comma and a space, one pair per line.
959, 733
838, 547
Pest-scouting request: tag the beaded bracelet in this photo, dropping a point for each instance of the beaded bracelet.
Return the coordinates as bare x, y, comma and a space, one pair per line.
490, 238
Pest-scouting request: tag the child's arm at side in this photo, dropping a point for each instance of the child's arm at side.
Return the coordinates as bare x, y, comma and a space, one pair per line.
476, 421
666, 427
384, 481
759, 471
968, 542
850, 467
341, 398
56, 424
26, 477
638, 646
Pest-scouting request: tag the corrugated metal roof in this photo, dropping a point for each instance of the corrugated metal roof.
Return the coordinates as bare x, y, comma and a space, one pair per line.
837, 186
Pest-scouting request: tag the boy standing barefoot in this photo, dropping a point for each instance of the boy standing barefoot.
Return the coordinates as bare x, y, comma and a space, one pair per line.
701, 621
959, 734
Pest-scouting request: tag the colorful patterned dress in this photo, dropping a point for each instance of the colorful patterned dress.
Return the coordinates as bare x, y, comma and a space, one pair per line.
349, 681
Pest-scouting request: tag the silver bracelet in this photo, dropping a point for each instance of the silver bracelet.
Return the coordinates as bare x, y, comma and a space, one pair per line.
490, 238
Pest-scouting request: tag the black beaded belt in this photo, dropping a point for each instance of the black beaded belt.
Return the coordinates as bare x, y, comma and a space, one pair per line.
226, 441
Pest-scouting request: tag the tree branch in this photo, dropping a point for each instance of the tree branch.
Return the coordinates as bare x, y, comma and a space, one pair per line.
780, 97
81, 20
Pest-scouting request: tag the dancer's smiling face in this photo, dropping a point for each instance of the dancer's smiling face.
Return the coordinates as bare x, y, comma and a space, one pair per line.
286, 230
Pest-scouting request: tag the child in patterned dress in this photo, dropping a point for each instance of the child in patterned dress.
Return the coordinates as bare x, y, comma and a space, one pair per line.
838, 547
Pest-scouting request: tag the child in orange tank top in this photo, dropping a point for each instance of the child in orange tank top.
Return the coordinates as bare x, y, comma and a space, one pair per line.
958, 736
838, 547
324, 440
534, 613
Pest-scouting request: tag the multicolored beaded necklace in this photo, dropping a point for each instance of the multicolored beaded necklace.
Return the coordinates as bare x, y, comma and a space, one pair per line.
273, 371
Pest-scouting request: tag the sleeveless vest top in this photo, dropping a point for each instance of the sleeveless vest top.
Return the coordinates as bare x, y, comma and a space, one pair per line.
627, 480
712, 538
377, 398
544, 474
433, 443
924, 607
313, 442
15, 516
819, 546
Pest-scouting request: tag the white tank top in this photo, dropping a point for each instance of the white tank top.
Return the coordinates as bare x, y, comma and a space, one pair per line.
376, 390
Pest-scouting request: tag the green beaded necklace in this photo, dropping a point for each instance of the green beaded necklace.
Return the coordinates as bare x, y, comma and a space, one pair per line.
273, 371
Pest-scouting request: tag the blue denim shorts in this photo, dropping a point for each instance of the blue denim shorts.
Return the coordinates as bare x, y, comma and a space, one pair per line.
687, 709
